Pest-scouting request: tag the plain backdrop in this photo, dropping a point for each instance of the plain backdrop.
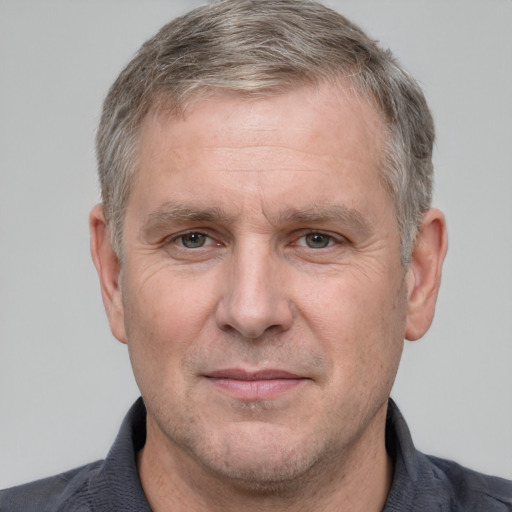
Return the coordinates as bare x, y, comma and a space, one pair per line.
65, 383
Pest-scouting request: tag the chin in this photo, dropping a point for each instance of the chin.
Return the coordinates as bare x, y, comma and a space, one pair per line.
265, 459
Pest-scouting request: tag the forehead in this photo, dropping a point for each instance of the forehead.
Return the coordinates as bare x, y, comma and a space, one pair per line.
289, 143
311, 109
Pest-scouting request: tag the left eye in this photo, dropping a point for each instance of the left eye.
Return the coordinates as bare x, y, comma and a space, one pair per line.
316, 240
193, 240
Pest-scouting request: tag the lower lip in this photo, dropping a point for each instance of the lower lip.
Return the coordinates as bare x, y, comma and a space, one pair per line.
263, 389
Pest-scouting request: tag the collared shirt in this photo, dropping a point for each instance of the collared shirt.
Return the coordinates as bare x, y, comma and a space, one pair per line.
420, 483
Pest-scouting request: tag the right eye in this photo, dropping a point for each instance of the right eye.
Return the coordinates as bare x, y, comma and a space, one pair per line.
193, 240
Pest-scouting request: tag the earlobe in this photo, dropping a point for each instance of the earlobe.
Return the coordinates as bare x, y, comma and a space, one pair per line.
424, 273
108, 267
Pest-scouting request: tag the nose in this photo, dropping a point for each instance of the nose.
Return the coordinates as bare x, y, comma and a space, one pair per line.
254, 299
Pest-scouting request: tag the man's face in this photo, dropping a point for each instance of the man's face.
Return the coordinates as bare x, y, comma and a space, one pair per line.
263, 297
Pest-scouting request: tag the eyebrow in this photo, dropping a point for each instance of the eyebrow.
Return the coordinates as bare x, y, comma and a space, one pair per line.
321, 214
171, 213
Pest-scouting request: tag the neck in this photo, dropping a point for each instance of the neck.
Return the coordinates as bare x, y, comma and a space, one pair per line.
356, 479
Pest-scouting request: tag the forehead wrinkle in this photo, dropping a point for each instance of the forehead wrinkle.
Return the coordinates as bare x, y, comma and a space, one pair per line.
256, 159
270, 149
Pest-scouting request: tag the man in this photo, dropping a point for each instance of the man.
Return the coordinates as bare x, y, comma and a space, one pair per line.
264, 245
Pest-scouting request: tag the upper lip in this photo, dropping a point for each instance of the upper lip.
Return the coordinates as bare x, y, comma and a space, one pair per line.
240, 374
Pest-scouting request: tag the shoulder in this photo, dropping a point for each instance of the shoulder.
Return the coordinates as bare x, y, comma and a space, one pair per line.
424, 483
60, 493
470, 490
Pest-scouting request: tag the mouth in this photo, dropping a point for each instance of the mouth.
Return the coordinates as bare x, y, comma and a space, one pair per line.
259, 385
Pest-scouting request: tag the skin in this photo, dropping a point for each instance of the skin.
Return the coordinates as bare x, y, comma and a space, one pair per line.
264, 303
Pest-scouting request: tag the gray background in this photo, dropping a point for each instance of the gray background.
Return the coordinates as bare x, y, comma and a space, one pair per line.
65, 383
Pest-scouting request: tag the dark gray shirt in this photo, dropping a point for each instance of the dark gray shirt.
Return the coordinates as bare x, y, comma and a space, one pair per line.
420, 483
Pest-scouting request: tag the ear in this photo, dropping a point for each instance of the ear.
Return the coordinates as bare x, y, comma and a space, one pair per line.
109, 268
424, 273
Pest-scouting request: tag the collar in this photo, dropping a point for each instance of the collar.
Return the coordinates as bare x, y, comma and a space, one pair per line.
117, 482
117, 485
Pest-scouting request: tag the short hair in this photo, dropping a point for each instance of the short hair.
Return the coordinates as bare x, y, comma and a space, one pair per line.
264, 47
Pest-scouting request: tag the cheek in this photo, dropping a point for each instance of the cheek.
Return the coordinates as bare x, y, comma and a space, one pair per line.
164, 319
360, 322
167, 303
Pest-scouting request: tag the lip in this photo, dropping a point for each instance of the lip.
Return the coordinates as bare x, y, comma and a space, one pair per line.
254, 385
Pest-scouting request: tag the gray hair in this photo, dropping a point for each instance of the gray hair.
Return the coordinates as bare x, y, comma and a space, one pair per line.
260, 47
